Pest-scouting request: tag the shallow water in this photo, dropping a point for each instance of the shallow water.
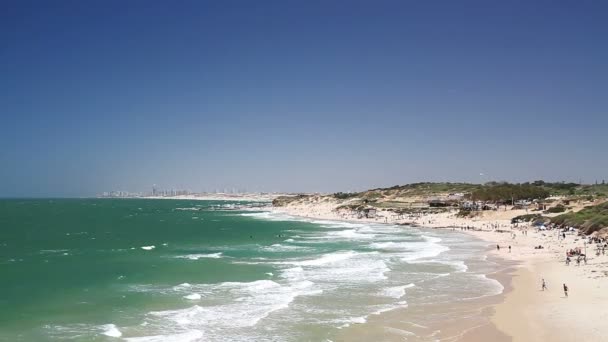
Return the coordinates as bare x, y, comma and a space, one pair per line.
164, 270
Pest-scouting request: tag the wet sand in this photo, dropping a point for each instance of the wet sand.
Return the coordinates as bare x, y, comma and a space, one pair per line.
452, 321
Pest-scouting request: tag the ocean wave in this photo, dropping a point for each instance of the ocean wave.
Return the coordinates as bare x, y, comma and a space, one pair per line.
347, 322
282, 248
193, 296
395, 291
387, 308
339, 268
459, 266
494, 287
244, 304
54, 252
337, 224
200, 256
340, 235
111, 330
410, 251
271, 216
322, 260
188, 336
80, 331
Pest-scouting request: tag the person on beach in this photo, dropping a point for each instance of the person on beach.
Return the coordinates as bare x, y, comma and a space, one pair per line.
498, 247
565, 290
509, 249
544, 286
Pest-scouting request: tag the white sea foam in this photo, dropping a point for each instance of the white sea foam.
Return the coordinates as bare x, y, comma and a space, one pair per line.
325, 259
277, 247
193, 296
346, 322
395, 291
188, 336
352, 234
244, 304
245, 310
111, 330
200, 256
393, 246
495, 287
401, 332
399, 305
271, 216
423, 251
148, 248
459, 265
340, 267
337, 224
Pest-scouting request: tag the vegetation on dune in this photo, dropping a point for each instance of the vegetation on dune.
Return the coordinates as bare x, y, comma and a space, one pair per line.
414, 196
589, 220
345, 195
573, 189
284, 200
491, 191
557, 209
534, 218
426, 188
505, 192
466, 213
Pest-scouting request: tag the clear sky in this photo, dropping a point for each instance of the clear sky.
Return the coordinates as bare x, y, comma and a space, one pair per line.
299, 95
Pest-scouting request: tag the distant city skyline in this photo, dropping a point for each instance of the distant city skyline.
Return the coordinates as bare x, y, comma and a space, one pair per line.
299, 96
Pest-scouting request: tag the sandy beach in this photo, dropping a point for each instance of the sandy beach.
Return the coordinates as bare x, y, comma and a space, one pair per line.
523, 312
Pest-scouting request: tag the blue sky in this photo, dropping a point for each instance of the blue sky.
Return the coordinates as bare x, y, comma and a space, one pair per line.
299, 95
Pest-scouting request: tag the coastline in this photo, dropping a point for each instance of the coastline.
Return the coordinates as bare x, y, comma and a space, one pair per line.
522, 312
212, 197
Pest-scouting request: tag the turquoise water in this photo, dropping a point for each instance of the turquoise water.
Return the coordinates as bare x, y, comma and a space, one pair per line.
169, 270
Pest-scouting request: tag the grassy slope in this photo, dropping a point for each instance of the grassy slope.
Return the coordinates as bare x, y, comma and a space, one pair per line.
590, 219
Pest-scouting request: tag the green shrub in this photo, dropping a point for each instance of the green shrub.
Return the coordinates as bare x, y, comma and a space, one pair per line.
525, 218
344, 195
557, 209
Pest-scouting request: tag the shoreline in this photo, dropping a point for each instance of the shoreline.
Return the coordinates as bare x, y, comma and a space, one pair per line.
218, 197
524, 312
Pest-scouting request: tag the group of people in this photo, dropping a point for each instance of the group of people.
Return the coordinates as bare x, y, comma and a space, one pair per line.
576, 252
601, 244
